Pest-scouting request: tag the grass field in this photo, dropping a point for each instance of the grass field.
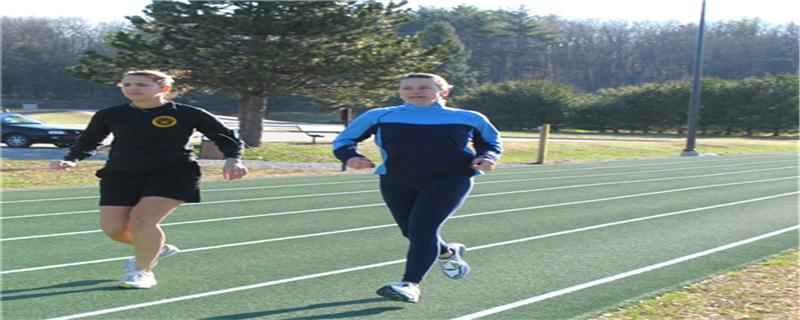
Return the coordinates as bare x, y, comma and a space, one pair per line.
557, 151
564, 146
59, 117
547, 242
28, 173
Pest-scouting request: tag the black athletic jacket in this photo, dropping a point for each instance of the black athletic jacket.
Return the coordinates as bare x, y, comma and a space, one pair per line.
152, 138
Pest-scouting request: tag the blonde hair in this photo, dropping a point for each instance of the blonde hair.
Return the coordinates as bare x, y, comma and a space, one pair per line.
159, 77
437, 79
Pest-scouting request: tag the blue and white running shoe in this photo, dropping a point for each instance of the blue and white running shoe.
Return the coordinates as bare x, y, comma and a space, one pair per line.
400, 291
455, 267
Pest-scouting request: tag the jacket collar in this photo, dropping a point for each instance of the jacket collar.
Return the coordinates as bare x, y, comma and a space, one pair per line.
433, 107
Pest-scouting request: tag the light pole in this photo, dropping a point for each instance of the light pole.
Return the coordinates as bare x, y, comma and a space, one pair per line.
694, 103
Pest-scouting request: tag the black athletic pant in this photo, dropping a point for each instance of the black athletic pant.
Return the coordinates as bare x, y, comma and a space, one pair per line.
420, 205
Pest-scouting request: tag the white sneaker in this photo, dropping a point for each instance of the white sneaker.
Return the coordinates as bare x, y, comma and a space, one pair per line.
400, 291
455, 267
138, 279
166, 251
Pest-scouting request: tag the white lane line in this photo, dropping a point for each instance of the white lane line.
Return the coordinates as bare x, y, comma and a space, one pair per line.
382, 264
229, 290
668, 214
629, 181
375, 190
204, 191
207, 202
619, 276
454, 217
375, 204
687, 160
47, 214
49, 199
470, 196
639, 172
228, 245
204, 221
632, 166
372, 180
262, 215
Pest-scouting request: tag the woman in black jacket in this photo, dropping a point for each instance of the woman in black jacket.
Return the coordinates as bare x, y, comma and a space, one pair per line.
150, 169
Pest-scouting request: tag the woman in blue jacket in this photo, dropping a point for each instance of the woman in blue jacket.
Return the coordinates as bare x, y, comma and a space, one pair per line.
426, 172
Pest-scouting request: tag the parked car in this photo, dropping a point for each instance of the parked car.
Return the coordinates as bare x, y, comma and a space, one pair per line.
20, 131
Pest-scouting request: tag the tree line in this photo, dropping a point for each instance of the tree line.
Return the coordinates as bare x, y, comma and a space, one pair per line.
588, 55
766, 105
36, 51
349, 53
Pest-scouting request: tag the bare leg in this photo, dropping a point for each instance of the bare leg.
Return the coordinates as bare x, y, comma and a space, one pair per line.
115, 222
148, 238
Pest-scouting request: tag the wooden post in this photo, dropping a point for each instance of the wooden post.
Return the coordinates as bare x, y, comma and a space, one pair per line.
544, 134
209, 150
346, 116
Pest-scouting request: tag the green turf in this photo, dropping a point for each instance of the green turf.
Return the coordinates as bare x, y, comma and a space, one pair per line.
511, 203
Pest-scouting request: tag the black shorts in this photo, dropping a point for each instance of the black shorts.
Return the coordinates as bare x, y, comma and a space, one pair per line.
126, 187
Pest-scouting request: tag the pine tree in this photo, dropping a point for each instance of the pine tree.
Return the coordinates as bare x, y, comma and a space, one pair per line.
338, 52
455, 69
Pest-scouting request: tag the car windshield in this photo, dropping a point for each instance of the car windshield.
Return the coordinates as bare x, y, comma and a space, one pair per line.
18, 118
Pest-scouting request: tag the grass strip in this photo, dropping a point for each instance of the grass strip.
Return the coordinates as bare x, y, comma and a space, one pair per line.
767, 290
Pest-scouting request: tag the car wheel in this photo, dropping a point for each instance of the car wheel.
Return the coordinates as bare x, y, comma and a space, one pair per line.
18, 140
63, 145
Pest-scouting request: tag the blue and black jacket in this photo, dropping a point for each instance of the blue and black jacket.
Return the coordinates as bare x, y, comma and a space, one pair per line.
427, 140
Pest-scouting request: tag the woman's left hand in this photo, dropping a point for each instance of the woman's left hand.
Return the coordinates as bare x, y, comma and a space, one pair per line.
483, 164
233, 169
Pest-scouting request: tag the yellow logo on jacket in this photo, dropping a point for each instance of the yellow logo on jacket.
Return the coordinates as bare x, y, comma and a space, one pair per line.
164, 121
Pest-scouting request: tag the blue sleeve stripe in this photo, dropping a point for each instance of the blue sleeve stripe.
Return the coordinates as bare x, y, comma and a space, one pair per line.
487, 141
381, 169
346, 143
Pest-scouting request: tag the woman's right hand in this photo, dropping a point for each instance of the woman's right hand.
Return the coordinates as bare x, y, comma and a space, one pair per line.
359, 163
63, 165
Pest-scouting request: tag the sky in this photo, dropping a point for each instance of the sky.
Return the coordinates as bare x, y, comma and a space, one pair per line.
683, 11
